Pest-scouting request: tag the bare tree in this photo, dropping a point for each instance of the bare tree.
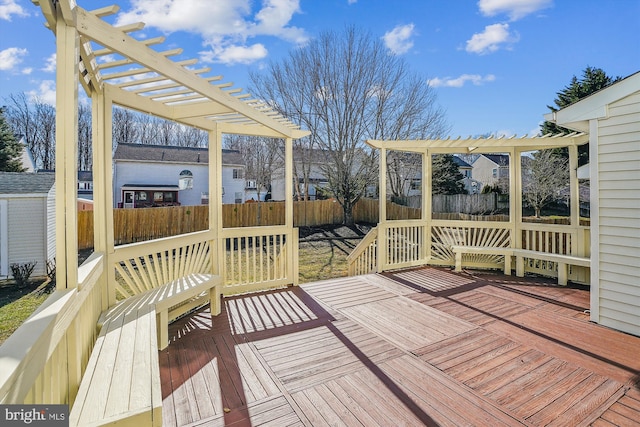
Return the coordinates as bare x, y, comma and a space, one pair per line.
262, 156
346, 88
125, 126
85, 152
44, 144
544, 176
21, 118
403, 169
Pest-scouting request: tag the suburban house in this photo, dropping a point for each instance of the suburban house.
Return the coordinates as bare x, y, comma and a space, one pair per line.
488, 169
473, 186
27, 220
314, 159
159, 175
612, 119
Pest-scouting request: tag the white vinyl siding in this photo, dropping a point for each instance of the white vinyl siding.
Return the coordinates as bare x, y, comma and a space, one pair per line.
618, 166
26, 232
51, 224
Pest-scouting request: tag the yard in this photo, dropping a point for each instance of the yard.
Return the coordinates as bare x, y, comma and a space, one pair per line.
323, 255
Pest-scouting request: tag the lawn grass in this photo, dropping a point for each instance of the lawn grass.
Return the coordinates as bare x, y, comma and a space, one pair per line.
324, 259
14, 313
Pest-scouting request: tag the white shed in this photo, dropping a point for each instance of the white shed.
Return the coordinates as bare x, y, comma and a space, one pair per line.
27, 220
612, 118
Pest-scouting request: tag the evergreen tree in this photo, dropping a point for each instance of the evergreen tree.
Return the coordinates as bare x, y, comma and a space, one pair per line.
10, 148
593, 79
446, 176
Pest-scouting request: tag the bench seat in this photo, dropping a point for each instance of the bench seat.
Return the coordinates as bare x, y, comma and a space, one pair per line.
121, 383
563, 261
167, 301
122, 379
458, 250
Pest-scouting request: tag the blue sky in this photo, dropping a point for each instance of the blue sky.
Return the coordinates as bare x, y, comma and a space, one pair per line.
495, 64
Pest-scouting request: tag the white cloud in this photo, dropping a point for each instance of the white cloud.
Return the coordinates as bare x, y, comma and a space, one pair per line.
491, 39
11, 57
50, 64
475, 79
515, 9
236, 54
10, 7
399, 40
225, 26
26, 71
46, 92
352, 1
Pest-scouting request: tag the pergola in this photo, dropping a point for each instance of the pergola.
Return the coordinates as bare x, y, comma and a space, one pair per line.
115, 68
407, 243
138, 77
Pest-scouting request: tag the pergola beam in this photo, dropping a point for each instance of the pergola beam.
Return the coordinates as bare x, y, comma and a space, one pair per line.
483, 145
104, 34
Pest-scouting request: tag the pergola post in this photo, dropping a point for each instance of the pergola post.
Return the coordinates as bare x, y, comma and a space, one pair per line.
382, 211
515, 197
66, 174
102, 129
215, 200
288, 212
427, 205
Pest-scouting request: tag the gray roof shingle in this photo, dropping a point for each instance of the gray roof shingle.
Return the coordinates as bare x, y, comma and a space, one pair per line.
168, 153
26, 183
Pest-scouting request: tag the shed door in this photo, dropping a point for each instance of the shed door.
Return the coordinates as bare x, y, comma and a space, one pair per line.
4, 241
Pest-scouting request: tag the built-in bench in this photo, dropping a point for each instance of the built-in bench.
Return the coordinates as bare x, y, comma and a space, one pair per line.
122, 380
459, 250
563, 261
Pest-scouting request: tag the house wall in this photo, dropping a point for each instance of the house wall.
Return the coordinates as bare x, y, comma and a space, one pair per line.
26, 231
51, 224
483, 171
4, 240
618, 222
127, 172
277, 180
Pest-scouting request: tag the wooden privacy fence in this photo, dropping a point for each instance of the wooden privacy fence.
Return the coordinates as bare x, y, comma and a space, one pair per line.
465, 203
135, 225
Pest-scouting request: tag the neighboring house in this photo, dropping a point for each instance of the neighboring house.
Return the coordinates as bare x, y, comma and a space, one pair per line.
85, 185
317, 178
489, 169
473, 186
159, 175
27, 220
611, 116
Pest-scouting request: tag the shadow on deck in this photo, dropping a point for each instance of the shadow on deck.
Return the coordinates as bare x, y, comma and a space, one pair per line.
415, 347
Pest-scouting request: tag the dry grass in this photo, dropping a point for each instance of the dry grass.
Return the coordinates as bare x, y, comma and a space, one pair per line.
16, 305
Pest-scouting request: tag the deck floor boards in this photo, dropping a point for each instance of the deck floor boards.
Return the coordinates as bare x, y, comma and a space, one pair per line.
417, 347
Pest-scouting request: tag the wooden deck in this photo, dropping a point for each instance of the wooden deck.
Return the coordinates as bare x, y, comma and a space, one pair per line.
418, 347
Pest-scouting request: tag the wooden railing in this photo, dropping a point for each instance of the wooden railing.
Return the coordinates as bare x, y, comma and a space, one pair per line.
43, 361
396, 244
364, 257
445, 234
399, 244
258, 258
556, 239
